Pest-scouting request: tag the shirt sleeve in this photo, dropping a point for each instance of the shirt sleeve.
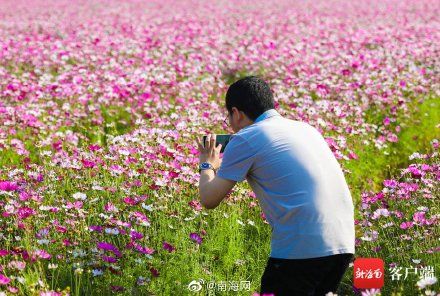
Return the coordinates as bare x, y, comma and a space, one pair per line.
238, 158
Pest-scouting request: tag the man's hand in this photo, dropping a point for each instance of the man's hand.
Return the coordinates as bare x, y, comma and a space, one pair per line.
210, 153
212, 188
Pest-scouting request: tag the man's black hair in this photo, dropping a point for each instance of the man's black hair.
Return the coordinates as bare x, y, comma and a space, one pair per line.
252, 95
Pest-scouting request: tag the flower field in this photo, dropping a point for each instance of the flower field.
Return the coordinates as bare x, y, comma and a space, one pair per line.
101, 103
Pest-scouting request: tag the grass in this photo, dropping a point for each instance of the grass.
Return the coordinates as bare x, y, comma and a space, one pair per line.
375, 165
395, 245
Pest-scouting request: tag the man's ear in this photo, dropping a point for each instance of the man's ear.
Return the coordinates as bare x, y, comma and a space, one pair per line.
242, 116
235, 111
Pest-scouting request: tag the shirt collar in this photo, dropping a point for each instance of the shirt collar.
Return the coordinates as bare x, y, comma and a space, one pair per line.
267, 114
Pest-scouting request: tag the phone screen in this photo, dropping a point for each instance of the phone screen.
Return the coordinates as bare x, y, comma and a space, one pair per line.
220, 139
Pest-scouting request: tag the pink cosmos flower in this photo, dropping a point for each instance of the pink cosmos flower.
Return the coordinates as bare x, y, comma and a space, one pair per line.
390, 183
50, 293
426, 167
12, 289
346, 72
195, 205
109, 207
352, 155
4, 280
42, 254
392, 138
419, 218
406, 225
19, 265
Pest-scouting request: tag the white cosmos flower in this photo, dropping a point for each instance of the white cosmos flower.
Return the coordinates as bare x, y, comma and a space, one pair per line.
79, 253
424, 282
43, 241
145, 223
79, 195
114, 231
147, 207
97, 272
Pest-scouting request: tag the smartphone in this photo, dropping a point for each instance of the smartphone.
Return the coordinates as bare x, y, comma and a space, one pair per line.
220, 139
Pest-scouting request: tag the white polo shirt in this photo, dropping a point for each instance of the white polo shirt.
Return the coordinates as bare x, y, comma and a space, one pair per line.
299, 184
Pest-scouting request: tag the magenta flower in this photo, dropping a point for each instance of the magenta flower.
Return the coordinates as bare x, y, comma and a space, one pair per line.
195, 237
168, 247
130, 201
415, 173
96, 228
8, 186
136, 235
144, 250
4, 280
109, 259
109, 247
88, 164
94, 148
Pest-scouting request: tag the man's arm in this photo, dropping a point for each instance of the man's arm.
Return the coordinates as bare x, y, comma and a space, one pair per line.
213, 189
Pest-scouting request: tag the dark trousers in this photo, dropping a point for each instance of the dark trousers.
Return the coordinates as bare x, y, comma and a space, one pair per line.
302, 277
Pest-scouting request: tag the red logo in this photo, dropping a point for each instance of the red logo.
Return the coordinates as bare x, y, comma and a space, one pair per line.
368, 273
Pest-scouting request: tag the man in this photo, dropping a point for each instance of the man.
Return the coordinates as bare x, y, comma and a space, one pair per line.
299, 184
